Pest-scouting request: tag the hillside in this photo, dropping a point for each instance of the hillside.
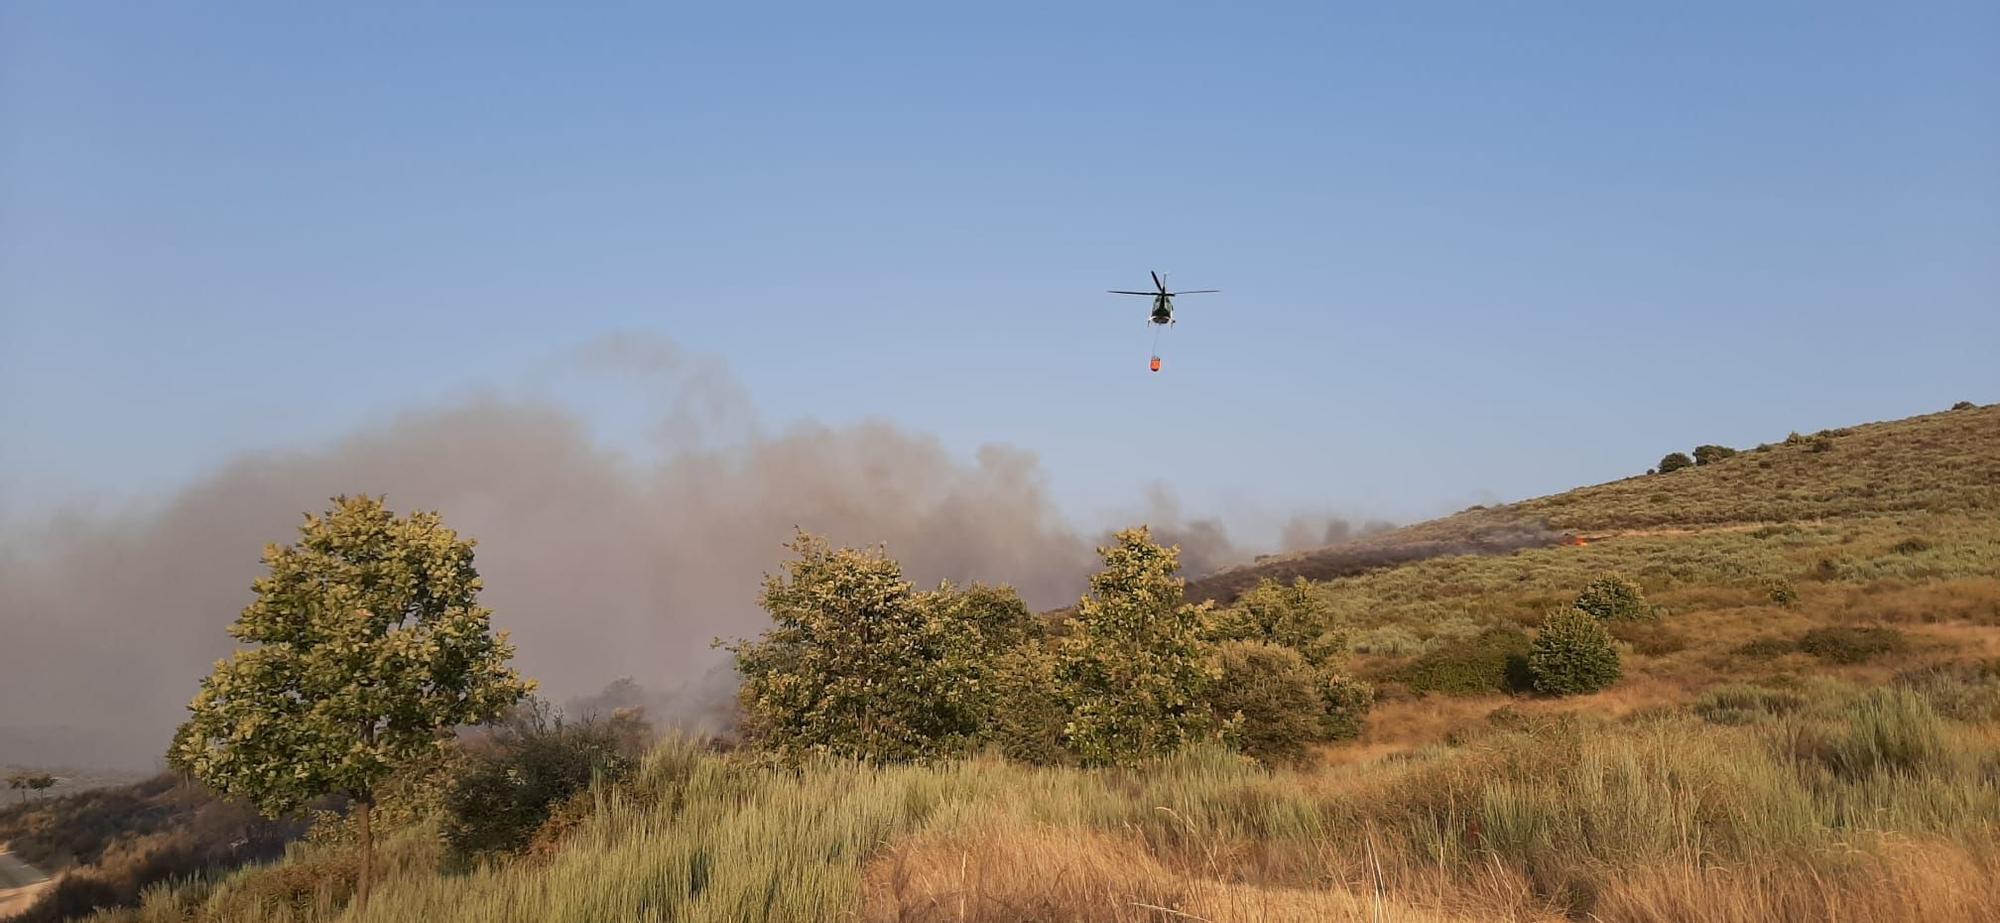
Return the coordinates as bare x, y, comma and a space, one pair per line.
1806, 725
1940, 462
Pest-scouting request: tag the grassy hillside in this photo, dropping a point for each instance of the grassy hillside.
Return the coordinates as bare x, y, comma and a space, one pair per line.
1807, 727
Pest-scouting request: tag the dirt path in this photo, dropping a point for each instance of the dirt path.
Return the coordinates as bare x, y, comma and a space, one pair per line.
20, 884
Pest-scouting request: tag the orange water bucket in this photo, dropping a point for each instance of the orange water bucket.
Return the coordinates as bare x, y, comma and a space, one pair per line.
1156, 363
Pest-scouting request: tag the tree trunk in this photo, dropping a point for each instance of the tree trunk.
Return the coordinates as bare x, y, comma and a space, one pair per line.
362, 807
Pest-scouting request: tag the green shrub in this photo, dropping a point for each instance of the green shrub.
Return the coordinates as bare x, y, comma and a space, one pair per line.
1782, 593
1283, 614
1267, 698
1710, 454
532, 763
1494, 660
1964, 405
1912, 545
1027, 724
1572, 654
1613, 598
1675, 461
1344, 704
1848, 644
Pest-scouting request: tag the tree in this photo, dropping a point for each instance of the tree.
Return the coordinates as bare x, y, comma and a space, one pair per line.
1613, 599
1285, 614
858, 664
1134, 664
1572, 654
1710, 454
1675, 461
366, 647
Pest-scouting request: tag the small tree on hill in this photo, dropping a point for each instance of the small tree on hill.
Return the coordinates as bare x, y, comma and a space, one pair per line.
1710, 454
1134, 667
1675, 461
1613, 598
1572, 654
367, 645
859, 664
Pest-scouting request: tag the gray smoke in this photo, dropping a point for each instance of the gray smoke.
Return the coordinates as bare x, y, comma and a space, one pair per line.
599, 565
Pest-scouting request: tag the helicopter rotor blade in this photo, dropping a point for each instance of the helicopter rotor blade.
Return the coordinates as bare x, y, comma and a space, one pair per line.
1116, 292
1197, 291
1162, 286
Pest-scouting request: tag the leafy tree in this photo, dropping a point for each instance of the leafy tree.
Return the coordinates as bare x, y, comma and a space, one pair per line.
1285, 614
1572, 654
859, 664
367, 645
1710, 454
1614, 598
25, 782
1675, 461
1133, 666
1030, 713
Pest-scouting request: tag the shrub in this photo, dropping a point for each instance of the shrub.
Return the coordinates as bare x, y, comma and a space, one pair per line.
1572, 654
1344, 704
1286, 614
1675, 461
1028, 723
1742, 703
1613, 598
1964, 405
1268, 699
1961, 690
1494, 660
1766, 648
860, 664
1886, 732
1710, 454
1848, 644
1912, 545
1782, 593
513, 780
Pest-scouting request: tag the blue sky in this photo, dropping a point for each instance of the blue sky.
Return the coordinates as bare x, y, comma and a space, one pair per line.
1467, 251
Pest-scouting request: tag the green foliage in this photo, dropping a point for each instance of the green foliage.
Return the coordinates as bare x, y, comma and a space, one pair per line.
859, 664
1613, 598
533, 762
1710, 454
1344, 702
1269, 699
1965, 405
366, 645
1572, 654
1495, 660
1674, 461
1027, 725
1887, 732
1133, 666
1782, 593
1283, 614
26, 782
1848, 644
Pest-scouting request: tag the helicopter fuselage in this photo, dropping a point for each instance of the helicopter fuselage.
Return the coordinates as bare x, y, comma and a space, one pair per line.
1163, 311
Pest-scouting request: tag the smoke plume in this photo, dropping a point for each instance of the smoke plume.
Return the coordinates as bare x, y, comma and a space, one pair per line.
600, 566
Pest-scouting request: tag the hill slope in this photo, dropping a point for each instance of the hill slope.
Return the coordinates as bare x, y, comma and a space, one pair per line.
1940, 462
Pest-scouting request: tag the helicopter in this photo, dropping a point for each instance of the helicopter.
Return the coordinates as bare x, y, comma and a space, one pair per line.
1163, 309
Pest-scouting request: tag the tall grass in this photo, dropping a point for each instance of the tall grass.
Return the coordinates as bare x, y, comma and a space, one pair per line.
1803, 814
